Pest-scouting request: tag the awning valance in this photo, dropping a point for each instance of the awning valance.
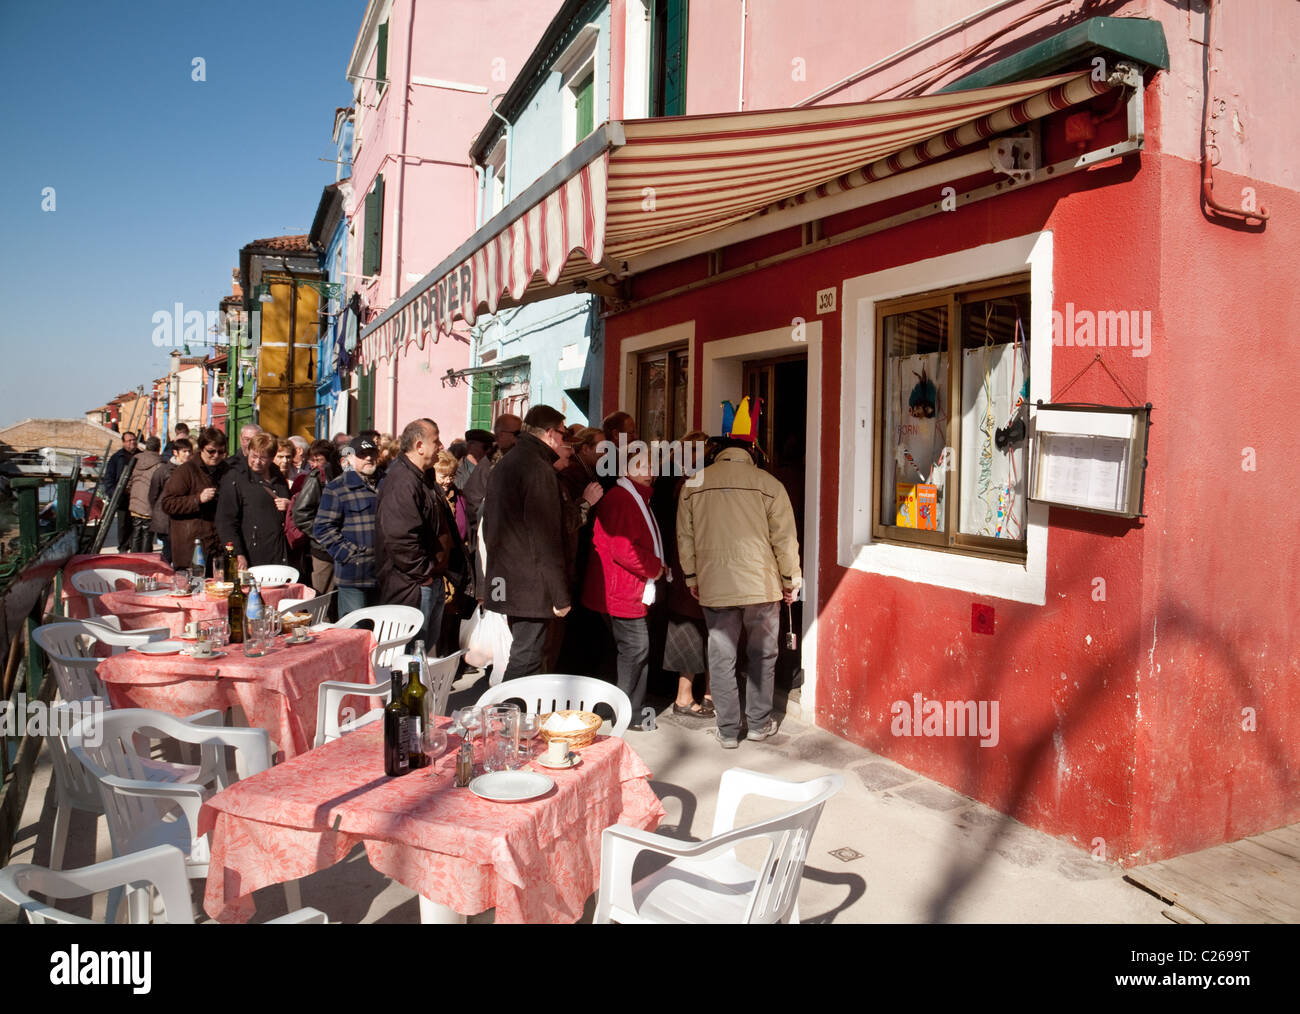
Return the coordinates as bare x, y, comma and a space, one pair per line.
642, 185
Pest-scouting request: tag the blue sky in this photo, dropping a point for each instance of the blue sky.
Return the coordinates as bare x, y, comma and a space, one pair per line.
158, 179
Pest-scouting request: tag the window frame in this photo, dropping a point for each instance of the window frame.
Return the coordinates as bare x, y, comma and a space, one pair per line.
574, 65
666, 353
951, 539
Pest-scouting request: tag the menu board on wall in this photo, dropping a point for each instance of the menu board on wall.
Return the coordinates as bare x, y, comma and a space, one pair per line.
1090, 458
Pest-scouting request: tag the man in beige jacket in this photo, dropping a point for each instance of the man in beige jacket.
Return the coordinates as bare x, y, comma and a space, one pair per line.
740, 555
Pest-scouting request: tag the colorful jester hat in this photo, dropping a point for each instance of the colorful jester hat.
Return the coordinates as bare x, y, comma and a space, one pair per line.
738, 422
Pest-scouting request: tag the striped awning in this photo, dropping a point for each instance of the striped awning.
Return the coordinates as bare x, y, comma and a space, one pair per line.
641, 185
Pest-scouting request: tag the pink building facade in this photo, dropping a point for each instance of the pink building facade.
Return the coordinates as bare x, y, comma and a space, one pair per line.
423, 77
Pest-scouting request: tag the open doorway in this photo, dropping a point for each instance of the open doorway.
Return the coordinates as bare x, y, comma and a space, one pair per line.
780, 386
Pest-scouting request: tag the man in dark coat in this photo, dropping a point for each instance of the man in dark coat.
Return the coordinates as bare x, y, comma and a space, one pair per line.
112, 476
412, 543
251, 507
523, 530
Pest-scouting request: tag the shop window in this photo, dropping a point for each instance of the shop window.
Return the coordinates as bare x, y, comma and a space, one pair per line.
952, 403
661, 387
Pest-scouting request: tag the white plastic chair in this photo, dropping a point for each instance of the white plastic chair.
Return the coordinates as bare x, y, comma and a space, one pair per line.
441, 674
274, 572
395, 627
96, 581
705, 883
142, 812
110, 621
331, 694
316, 607
76, 789
553, 692
162, 868
65, 645
72, 637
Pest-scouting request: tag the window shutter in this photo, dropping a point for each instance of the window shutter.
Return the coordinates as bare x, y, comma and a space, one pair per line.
371, 258
480, 406
585, 108
381, 55
675, 59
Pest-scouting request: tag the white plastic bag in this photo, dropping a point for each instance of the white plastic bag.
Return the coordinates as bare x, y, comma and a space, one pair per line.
467, 628
489, 644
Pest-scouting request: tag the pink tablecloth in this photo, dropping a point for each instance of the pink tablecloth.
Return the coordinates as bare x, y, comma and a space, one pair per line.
536, 861
277, 692
142, 610
75, 604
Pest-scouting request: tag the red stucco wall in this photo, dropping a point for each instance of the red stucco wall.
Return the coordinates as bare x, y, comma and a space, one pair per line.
1119, 719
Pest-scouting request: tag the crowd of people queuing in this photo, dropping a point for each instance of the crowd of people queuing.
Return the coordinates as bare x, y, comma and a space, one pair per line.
574, 543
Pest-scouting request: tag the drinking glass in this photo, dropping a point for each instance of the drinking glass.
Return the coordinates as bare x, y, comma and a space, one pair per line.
530, 727
181, 581
220, 630
254, 638
501, 737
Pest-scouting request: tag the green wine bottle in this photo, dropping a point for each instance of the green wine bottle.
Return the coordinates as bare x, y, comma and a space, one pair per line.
235, 614
397, 754
413, 699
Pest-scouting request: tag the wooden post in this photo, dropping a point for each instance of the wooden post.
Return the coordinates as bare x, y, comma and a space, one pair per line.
29, 532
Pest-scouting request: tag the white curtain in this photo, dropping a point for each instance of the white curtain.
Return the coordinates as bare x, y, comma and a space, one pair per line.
992, 480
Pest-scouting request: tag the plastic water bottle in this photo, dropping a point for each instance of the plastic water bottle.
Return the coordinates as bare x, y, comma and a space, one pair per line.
253, 611
198, 563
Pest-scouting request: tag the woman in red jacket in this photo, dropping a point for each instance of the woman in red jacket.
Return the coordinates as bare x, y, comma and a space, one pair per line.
627, 558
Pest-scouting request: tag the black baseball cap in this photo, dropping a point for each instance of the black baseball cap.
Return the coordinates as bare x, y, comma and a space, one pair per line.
364, 447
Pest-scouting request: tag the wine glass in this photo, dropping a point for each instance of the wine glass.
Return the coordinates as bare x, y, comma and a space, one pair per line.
433, 741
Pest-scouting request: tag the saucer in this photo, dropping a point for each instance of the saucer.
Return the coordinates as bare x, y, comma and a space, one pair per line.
299, 640
573, 761
204, 658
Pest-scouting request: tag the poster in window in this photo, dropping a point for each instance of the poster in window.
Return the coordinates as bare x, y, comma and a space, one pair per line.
916, 392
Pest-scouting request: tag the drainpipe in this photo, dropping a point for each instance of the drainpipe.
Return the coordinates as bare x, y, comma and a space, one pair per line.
397, 223
744, 17
1207, 146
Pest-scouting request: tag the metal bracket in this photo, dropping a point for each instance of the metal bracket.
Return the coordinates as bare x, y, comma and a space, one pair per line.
1130, 76
1016, 156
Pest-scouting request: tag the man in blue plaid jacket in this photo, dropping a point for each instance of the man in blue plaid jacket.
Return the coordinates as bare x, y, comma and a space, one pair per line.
345, 528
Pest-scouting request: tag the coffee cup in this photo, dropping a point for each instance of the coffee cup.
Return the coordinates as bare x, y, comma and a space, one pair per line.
557, 751
192, 628
202, 649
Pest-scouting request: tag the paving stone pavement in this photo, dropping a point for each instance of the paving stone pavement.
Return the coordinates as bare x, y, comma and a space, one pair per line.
917, 851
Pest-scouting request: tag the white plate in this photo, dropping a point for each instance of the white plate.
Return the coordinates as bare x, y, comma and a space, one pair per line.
511, 786
159, 648
204, 658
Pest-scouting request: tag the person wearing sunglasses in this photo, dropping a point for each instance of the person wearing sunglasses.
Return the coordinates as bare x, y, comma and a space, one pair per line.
189, 498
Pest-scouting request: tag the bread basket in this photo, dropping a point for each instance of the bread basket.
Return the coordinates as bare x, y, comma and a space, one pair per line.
579, 737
